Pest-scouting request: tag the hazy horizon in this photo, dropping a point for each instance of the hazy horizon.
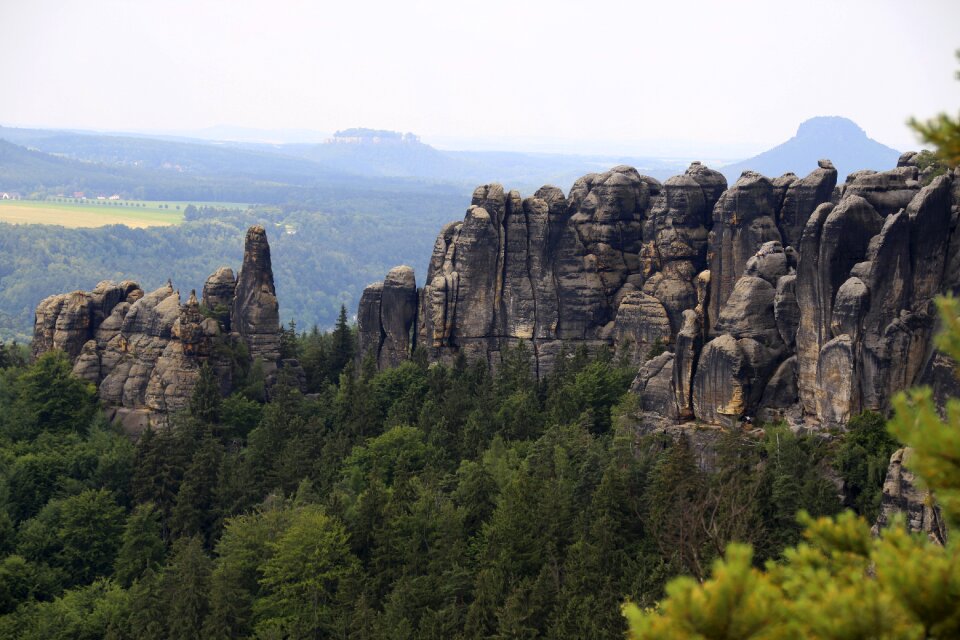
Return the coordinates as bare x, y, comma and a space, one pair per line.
550, 77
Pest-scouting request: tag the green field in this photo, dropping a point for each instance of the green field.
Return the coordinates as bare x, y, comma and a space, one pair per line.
98, 213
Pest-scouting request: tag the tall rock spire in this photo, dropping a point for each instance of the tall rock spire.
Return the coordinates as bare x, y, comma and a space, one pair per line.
256, 313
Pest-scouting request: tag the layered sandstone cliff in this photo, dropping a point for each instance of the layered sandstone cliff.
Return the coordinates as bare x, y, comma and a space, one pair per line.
786, 297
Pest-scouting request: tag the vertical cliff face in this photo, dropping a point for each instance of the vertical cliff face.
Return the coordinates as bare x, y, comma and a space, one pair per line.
614, 262
789, 297
144, 350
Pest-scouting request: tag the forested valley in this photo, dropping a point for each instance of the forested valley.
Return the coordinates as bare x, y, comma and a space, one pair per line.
438, 501
328, 248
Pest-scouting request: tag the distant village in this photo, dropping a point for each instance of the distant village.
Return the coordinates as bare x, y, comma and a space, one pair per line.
77, 195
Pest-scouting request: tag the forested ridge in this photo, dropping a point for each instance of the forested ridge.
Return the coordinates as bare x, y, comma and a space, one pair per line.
418, 502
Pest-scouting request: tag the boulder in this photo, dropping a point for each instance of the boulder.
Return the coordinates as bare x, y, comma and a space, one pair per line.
749, 313
654, 385
770, 262
721, 383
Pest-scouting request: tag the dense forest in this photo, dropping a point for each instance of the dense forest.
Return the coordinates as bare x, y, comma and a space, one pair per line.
436, 501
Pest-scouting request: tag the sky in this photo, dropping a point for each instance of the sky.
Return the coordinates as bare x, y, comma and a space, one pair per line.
600, 77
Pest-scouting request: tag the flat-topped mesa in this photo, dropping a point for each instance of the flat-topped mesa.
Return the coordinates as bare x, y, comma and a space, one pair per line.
786, 298
255, 313
144, 351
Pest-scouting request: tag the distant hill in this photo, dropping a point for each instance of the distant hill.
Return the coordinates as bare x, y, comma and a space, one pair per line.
48, 162
839, 139
183, 168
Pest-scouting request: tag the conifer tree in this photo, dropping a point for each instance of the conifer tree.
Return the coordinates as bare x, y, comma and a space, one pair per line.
186, 589
141, 545
943, 132
309, 564
195, 512
148, 620
343, 344
158, 471
205, 401
677, 487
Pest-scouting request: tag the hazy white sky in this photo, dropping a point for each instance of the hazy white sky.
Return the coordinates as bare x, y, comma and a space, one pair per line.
600, 75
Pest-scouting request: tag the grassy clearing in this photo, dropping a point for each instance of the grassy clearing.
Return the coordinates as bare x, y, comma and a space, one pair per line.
98, 213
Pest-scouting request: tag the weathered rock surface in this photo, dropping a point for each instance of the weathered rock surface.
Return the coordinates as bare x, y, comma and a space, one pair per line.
641, 325
802, 197
144, 351
654, 385
780, 393
902, 496
687, 348
786, 311
887, 191
743, 220
790, 297
256, 313
218, 292
387, 316
721, 385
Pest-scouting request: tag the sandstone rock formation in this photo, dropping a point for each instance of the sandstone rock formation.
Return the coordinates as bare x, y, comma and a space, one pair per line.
144, 350
902, 496
786, 298
386, 318
255, 313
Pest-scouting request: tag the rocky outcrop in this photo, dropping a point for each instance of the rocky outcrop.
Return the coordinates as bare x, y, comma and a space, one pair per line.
218, 293
144, 351
902, 496
789, 298
66, 321
255, 312
612, 263
801, 198
743, 220
387, 316
654, 386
